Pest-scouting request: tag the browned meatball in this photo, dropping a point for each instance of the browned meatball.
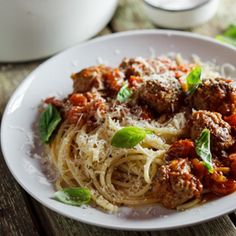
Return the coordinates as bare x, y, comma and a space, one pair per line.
183, 148
139, 67
164, 95
220, 130
175, 184
90, 78
215, 95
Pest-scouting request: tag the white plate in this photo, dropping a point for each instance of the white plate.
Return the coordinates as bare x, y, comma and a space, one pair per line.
52, 77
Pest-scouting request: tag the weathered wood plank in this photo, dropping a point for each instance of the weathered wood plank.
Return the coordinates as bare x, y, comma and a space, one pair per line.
10, 77
15, 218
59, 225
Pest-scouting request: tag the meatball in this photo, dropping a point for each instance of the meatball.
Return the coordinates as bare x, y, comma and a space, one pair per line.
183, 148
220, 130
175, 184
139, 67
91, 78
214, 95
164, 95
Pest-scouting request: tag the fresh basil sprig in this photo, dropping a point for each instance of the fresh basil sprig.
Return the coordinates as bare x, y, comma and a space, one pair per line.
225, 39
231, 31
203, 149
73, 196
229, 36
48, 121
124, 93
194, 79
129, 137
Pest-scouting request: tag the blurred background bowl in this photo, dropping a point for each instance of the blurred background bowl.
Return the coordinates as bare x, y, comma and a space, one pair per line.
33, 29
180, 17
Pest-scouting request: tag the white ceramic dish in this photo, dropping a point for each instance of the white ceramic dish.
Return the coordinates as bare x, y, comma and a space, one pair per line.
52, 77
32, 29
180, 18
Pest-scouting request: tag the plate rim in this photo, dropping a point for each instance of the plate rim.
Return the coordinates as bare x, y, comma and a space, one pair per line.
29, 78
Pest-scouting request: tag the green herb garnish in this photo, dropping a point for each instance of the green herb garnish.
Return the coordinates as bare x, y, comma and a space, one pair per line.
124, 93
203, 149
194, 79
48, 122
229, 36
73, 196
227, 40
129, 137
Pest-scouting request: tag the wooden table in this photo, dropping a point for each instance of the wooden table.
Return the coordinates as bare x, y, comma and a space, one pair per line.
22, 215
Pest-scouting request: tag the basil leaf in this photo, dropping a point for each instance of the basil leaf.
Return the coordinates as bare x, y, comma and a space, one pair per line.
229, 36
48, 122
227, 40
73, 196
194, 79
124, 93
203, 149
231, 31
128, 137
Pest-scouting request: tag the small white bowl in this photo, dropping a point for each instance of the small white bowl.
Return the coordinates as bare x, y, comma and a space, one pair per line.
37, 29
181, 18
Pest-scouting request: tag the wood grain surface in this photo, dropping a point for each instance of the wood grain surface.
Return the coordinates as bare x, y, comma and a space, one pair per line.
22, 215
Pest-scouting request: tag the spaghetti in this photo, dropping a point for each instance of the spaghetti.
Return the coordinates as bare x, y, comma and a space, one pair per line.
114, 176
151, 94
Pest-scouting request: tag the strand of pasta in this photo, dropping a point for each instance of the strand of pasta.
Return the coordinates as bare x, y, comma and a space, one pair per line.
95, 196
63, 151
115, 176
